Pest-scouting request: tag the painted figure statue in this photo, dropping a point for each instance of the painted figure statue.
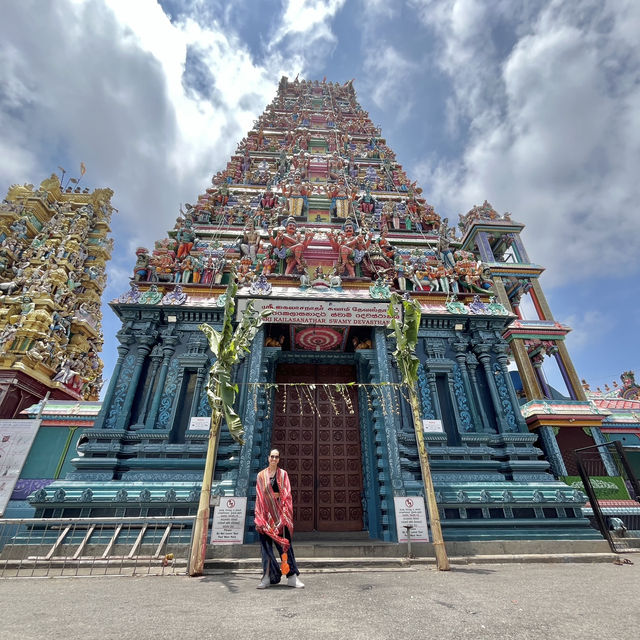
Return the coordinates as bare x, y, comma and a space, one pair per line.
351, 247
290, 244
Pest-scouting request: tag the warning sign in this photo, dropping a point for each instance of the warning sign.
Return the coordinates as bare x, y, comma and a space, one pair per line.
228, 521
410, 511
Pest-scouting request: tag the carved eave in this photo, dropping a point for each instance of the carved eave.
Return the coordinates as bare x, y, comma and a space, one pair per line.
518, 269
128, 311
536, 329
490, 226
561, 413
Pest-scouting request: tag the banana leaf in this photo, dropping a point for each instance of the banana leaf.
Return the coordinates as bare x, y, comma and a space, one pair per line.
229, 347
405, 331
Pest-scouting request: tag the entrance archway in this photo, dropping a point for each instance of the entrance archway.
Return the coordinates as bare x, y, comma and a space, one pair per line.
317, 432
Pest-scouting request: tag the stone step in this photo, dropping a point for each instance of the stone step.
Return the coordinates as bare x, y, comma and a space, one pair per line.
354, 551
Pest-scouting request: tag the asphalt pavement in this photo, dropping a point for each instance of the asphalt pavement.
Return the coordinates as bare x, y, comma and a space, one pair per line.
519, 601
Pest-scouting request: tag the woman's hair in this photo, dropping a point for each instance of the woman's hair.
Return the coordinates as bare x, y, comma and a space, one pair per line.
276, 450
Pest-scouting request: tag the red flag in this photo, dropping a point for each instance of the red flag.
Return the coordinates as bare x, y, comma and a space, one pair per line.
83, 169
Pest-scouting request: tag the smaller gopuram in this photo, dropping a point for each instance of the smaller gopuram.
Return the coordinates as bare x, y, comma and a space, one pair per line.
54, 246
563, 421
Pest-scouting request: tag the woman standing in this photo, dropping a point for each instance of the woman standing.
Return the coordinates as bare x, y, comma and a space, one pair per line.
274, 522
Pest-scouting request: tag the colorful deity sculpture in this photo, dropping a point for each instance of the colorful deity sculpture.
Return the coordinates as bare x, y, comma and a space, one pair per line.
351, 247
341, 195
367, 203
296, 194
250, 242
289, 245
141, 269
185, 237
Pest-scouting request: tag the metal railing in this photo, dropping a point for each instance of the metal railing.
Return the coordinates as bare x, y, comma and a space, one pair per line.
41, 547
590, 463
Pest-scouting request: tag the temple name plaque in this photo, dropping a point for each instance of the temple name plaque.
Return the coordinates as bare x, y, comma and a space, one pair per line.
321, 312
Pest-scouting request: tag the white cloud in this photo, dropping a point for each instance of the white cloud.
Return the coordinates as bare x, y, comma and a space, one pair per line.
552, 128
109, 82
387, 74
304, 35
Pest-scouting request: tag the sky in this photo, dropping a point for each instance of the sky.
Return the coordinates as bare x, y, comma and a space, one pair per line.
533, 106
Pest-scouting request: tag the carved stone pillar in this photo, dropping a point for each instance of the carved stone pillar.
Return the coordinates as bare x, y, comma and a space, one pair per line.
500, 349
156, 357
460, 348
125, 341
431, 377
168, 349
482, 352
144, 347
252, 416
472, 365
200, 376
552, 450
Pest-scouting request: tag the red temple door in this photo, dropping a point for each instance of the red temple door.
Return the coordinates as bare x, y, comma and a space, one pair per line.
316, 429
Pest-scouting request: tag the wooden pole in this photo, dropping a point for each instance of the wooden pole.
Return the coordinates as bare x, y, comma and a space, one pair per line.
201, 525
442, 560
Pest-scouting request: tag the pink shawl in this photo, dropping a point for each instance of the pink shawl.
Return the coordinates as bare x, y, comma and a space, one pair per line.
271, 515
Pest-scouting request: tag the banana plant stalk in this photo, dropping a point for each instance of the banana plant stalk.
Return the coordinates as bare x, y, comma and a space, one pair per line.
229, 347
405, 331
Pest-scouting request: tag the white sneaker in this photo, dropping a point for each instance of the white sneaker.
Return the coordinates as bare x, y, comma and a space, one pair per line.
264, 583
294, 581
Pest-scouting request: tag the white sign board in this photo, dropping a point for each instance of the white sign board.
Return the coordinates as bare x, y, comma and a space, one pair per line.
16, 438
198, 423
321, 312
410, 510
432, 426
228, 521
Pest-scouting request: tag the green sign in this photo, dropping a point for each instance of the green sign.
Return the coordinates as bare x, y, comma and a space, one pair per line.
605, 487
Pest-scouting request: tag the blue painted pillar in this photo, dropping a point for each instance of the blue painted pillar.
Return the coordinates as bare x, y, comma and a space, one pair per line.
460, 348
168, 349
484, 248
481, 350
500, 349
250, 415
519, 248
472, 365
554, 456
125, 342
156, 357
144, 347
393, 454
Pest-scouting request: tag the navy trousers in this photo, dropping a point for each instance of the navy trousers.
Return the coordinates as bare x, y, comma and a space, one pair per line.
269, 563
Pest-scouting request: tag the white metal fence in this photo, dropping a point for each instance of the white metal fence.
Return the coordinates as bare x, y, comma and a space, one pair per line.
42, 547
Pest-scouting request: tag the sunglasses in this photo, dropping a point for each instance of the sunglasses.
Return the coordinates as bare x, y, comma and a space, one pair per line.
275, 457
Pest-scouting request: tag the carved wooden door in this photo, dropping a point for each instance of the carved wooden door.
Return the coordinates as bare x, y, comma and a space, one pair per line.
316, 430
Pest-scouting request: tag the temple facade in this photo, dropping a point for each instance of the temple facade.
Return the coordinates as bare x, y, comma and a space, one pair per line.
317, 222
54, 246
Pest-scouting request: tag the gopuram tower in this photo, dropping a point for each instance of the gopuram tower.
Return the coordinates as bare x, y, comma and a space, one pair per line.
54, 245
318, 222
